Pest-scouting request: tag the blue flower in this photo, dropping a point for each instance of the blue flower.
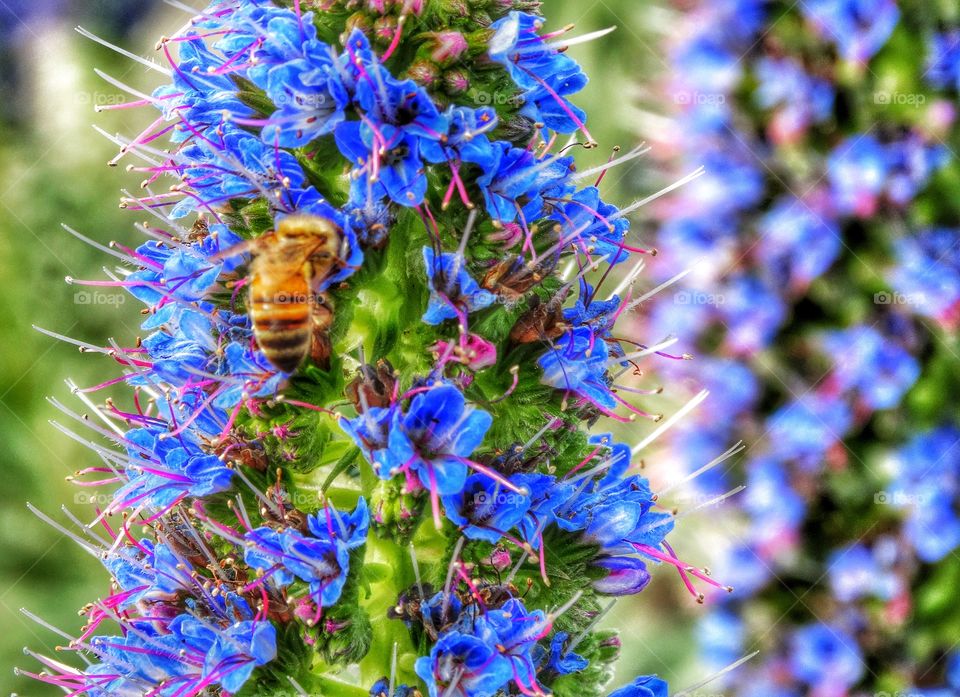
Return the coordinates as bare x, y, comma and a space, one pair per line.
198, 93
752, 311
644, 686
704, 66
452, 288
774, 506
943, 61
880, 370
927, 273
518, 182
432, 440
857, 170
518, 631
823, 655
578, 364
862, 171
801, 100
485, 510
563, 661
593, 226
912, 163
721, 635
855, 572
321, 560
616, 515
933, 526
192, 654
797, 244
229, 655
627, 576
731, 183
463, 665
467, 140
804, 429
388, 161
310, 97
545, 76
164, 470
860, 28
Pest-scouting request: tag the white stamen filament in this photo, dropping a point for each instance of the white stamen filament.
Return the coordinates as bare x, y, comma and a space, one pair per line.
670, 422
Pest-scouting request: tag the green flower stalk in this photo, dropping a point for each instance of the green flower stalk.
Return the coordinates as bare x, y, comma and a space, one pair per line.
354, 454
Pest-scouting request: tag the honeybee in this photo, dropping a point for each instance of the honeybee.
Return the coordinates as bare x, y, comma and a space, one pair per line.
290, 316
512, 277
543, 321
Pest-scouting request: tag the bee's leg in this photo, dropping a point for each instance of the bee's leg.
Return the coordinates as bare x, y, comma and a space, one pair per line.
321, 319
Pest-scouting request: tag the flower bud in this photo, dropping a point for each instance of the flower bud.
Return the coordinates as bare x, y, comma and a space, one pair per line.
384, 29
628, 575
380, 7
423, 72
456, 81
446, 47
411, 7
358, 20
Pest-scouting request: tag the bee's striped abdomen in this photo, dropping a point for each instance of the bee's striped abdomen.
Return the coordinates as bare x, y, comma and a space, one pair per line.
281, 325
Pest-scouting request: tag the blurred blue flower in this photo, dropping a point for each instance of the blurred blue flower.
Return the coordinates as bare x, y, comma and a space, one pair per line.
825, 656
859, 28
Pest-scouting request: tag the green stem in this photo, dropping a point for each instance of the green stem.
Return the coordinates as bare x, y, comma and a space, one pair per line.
388, 632
330, 686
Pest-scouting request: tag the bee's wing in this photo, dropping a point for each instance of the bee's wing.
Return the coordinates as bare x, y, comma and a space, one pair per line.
239, 248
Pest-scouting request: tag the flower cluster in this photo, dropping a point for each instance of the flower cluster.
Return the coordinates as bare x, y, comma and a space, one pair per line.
353, 447
821, 226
